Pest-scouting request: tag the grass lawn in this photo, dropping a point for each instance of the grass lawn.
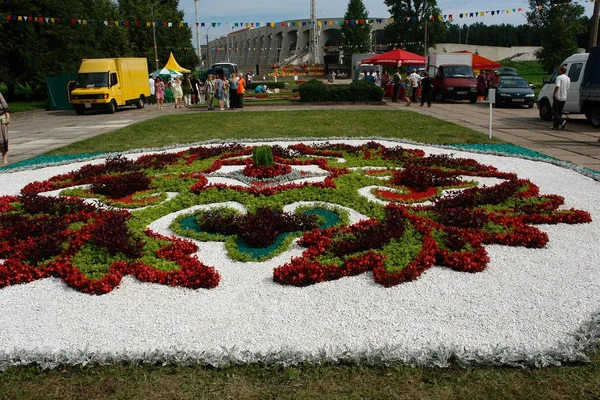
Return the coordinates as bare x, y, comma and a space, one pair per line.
190, 128
302, 382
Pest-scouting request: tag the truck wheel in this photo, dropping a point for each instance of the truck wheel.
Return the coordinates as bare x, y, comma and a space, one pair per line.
140, 103
473, 99
545, 110
79, 111
595, 117
439, 97
112, 107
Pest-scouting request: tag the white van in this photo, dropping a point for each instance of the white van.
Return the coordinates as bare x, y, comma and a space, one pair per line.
231, 67
575, 67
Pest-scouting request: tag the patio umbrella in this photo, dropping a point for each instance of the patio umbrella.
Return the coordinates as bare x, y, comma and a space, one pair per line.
480, 62
395, 58
166, 74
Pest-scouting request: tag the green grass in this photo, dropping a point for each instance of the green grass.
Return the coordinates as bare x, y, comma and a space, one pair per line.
532, 71
303, 382
182, 129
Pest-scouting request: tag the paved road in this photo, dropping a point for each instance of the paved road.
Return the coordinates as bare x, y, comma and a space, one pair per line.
35, 133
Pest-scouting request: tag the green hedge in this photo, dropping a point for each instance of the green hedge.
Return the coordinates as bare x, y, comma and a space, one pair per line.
315, 91
271, 85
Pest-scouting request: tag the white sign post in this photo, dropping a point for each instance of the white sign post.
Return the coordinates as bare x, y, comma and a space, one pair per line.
491, 100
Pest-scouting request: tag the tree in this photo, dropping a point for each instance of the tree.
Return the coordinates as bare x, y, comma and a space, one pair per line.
31, 51
410, 19
356, 37
176, 39
559, 25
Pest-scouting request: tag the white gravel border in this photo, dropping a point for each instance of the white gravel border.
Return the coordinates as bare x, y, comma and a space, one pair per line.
529, 307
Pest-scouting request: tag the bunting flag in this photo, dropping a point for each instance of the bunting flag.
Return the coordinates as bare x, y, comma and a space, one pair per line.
320, 23
73, 21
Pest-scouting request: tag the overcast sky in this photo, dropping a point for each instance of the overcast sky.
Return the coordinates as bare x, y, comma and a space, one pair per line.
231, 11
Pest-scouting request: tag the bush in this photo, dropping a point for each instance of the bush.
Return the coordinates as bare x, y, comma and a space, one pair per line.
315, 91
263, 156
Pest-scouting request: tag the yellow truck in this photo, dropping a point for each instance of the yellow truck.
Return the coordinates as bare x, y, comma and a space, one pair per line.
108, 83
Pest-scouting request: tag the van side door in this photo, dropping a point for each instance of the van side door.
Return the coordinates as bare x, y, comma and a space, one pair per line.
575, 73
115, 88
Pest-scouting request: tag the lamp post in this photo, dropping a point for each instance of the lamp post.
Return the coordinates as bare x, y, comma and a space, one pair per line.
198, 33
207, 48
154, 31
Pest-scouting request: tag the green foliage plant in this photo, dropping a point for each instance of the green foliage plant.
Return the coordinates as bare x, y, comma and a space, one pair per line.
263, 156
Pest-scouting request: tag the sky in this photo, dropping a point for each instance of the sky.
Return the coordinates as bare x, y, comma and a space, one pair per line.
210, 11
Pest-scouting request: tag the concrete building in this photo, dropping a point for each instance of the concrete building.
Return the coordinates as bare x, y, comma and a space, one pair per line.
284, 43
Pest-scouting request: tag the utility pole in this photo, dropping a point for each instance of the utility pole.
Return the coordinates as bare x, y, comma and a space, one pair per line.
594, 33
198, 32
314, 34
154, 32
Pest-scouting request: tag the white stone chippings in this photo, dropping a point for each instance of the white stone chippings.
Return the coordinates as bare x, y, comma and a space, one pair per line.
529, 307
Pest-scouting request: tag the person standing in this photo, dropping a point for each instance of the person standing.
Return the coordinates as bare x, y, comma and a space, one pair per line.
226, 94
219, 91
240, 92
209, 89
195, 89
414, 81
177, 92
559, 97
426, 89
408, 89
397, 79
186, 86
481, 84
377, 79
151, 82
159, 87
4, 122
233, 85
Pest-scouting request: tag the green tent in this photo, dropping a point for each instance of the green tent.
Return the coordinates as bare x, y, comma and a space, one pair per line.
57, 89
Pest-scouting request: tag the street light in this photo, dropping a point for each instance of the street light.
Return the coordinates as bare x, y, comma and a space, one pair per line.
207, 48
154, 31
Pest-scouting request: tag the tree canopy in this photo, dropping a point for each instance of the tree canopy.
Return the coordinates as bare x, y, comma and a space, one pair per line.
410, 18
355, 38
32, 51
558, 26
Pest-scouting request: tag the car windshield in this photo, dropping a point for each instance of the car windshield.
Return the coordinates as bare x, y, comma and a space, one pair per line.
518, 83
93, 79
458, 71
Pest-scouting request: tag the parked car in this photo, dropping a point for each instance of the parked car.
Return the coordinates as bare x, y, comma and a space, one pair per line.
514, 90
505, 71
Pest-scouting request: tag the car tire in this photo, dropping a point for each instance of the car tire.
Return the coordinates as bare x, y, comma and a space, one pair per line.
140, 103
473, 99
439, 97
595, 117
545, 110
530, 105
112, 107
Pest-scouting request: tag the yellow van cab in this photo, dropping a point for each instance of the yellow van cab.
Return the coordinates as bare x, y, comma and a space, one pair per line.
108, 83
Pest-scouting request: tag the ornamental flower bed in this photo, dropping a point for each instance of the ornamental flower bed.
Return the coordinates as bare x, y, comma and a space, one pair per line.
43, 236
491, 260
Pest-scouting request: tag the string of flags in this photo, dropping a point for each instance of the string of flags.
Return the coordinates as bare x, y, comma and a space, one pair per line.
224, 48
73, 21
328, 22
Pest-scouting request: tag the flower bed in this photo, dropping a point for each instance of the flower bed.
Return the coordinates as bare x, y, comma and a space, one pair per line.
494, 277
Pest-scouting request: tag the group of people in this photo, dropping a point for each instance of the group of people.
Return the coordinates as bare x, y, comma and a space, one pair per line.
229, 92
188, 90
485, 80
415, 87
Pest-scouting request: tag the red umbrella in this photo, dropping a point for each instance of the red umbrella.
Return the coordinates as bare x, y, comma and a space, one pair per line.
392, 58
480, 62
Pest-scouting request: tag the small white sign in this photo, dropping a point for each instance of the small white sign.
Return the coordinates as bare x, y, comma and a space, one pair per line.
492, 96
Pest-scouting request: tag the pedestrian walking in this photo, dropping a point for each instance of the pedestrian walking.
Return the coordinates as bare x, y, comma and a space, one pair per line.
559, 97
